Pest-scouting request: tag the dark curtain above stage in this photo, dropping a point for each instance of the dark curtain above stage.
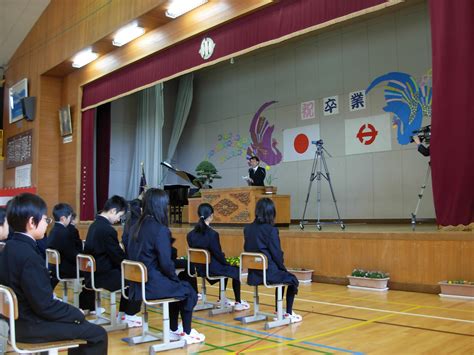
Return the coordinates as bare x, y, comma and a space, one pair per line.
87, 165
102, 156
452, 147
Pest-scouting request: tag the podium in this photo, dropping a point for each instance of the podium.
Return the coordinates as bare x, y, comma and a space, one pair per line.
237, 205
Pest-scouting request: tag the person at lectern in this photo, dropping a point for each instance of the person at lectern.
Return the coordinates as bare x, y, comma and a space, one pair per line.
257, 174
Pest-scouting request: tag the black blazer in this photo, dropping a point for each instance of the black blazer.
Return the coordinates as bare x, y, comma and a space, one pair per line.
153, 248
264, 238
102, 243
22, 268
209, 240
68, 245
424, 150
258, 176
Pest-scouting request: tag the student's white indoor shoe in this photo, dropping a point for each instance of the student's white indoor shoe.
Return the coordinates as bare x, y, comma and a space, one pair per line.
133, 321
294, 318
242, 306
176, 335
194, 337
99, 311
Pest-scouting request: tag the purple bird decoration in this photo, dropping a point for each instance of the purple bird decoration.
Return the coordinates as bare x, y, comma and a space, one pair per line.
263, 145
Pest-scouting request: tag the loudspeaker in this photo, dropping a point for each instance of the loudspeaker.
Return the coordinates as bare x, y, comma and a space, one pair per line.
28, 105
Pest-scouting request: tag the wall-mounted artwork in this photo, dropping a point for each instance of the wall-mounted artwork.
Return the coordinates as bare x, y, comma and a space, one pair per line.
263, 145
228, 145
407, 100
15, 94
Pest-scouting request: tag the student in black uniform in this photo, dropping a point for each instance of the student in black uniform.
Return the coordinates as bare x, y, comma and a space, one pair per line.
4, 229
261, 236
71, 227
67, 244
204, 237
150, 243
102, 243
41, 317
134, 214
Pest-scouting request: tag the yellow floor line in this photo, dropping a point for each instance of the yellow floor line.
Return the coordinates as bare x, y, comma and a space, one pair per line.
334, 331
373, 309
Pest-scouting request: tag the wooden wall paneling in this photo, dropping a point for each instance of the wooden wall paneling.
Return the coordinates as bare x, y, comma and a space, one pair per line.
47, 136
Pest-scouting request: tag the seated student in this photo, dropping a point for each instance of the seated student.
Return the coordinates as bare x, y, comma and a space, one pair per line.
61, 239
74, 233
261, 236
4, 229
41, 317
204, 237
102, 243
135, 213
150, 243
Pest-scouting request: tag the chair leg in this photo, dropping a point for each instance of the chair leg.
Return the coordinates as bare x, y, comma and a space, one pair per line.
65, 291
166, 345
279, 319
3, 336
203, 304
257, 315
114, 325
222, 301
76, 287
146, 336
53, 352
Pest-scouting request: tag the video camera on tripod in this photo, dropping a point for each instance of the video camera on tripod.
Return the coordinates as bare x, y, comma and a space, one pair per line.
424, 133
318, 142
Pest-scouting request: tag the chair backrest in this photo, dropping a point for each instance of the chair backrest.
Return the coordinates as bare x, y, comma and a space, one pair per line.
86, 263
53, 257
199, 256
254, 261
8, 302
134, 271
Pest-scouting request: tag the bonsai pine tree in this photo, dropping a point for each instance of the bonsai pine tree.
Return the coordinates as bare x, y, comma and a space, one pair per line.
206, 172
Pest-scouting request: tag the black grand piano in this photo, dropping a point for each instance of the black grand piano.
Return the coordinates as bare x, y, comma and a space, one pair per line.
178, 194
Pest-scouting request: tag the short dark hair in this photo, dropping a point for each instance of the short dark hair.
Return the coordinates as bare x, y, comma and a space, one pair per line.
265, 211
117, 202
3, 214
62, 210
22, 207
254, 157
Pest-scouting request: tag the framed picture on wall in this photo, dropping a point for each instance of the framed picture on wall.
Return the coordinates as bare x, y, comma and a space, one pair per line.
65, 123
15, 94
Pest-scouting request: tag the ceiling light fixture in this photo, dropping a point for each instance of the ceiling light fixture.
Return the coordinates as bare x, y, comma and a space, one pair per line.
180, 7
84, 57
127, 34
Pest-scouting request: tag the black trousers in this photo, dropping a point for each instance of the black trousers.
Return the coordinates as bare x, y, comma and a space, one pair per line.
95, 335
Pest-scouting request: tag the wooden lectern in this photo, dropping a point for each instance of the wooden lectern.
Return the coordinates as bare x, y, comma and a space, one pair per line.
237, 205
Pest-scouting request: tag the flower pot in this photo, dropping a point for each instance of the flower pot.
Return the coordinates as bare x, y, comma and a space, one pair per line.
368, 283
456, 290
270, 189
303, 275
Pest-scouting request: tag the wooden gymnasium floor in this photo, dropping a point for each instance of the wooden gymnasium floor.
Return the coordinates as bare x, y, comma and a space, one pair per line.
336, 320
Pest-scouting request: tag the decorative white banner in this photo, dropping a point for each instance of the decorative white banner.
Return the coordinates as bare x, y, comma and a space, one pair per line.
367, 135
297, 142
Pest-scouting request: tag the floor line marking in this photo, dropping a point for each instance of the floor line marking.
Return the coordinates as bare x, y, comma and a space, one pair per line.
334, 331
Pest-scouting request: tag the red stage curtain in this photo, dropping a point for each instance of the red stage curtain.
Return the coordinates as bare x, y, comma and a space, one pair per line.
273, 22
102, 162
452, 150
87, 165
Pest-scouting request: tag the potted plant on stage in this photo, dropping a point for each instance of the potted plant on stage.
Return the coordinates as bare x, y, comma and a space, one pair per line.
457, 289
269, 179
368, 280
206, 172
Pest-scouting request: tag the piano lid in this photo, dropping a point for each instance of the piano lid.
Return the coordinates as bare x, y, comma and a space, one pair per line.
183, 174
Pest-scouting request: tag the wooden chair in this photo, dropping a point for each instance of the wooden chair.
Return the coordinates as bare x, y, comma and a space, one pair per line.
203, 257
133, 271
259, 261
9, 309
54, 258
86, 263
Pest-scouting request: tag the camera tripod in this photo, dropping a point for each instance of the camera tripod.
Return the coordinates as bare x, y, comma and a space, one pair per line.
319, 162
420, 196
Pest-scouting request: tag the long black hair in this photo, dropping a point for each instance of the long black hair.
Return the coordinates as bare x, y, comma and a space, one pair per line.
155, 205
265, 211
134, 213
204, 211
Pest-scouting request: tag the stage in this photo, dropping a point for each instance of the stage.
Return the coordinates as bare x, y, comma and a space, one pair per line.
416, 260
